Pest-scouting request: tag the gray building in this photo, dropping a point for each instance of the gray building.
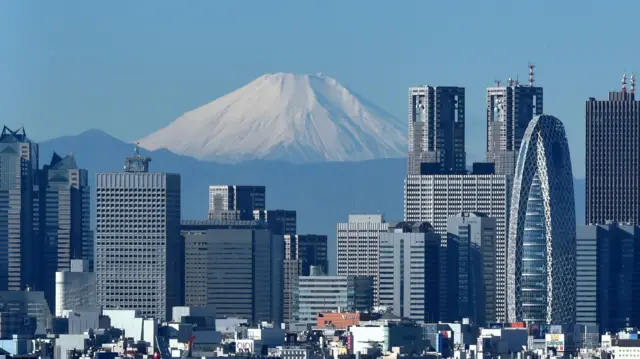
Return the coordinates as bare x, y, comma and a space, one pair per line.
302, 251
279, 221
232, 202
75, 288
612, 163
315, 294
608, 283
409, 271
236, 266
358, 242
27, 303
434, 198
64, 200
20, 251
472, 273
138, 247
436, 127
509, 110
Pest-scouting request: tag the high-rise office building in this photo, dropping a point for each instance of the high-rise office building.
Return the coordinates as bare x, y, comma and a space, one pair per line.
20, 250
302, 251
138, 245
409, 271
235, 266
279, 221
235, 202
436, 197
64, 219
358, 242
509, 110
542, 236
613, 163
608, 279
318, 293
436, 127
472, 272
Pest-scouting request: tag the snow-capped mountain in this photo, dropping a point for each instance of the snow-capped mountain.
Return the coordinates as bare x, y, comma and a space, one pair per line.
296, 118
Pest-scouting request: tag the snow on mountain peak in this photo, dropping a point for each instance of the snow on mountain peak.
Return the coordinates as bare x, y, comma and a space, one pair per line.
283, 116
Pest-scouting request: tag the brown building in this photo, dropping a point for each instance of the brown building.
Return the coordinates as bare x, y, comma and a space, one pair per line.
342, 320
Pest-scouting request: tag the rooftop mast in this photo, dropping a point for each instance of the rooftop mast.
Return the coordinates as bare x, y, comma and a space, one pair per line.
531, 67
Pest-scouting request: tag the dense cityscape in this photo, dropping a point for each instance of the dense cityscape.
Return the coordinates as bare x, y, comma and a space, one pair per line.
487, 262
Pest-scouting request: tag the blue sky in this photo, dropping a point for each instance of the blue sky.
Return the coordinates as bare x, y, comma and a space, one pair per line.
130, 67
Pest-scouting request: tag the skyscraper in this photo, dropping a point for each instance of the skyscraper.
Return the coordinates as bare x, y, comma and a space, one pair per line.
542, 232
409, 271
358, 242
302, 251
138, 245
436, 127
279, 221
235, 202
613, 158
65, 217
436, 197
20, 261
509, 110
472, 273
608, 276
235, 266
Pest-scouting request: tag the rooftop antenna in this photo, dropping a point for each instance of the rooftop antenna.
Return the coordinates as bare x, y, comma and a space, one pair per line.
633, 83
624, 82
510, 82
517, 80
531, 67
498, 82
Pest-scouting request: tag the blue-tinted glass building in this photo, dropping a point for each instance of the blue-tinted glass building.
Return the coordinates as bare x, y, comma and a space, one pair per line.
541, 268
19, 250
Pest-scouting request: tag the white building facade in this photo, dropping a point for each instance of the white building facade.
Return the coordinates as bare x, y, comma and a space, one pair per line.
358, 242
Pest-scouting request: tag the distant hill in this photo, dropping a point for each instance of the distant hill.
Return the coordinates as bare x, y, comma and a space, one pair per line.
322, 193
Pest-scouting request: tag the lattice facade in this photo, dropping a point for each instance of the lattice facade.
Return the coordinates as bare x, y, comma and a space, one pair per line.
541, 279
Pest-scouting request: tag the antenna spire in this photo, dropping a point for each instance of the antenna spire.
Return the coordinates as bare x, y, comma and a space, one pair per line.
633, 83
531, 80
624, 82
498, 82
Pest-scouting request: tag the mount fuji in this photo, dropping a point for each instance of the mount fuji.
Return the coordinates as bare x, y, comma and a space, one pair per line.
285, 117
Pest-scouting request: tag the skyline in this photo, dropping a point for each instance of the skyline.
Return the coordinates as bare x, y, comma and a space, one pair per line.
68, 69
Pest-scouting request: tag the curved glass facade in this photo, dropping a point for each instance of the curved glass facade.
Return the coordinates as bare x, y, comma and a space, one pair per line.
541, 278
534, 257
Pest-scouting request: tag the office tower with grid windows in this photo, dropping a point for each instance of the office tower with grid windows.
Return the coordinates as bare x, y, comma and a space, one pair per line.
235, 266
279, 221
358, 242
472, 274
435, 197
20, 248
436, 127
509, 110
613, 158
302, 251
138, 246
65, 216
541, 278
235, 202
409, 271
